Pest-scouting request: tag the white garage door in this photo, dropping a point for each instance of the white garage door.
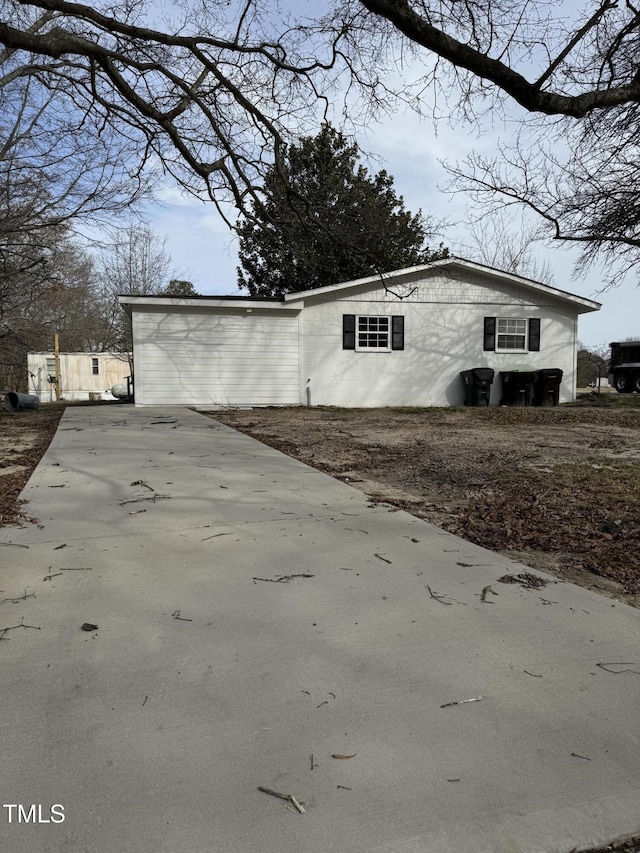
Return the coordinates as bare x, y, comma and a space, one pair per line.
227, 358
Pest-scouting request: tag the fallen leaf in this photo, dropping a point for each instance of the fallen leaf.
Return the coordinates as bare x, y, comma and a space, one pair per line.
343, 757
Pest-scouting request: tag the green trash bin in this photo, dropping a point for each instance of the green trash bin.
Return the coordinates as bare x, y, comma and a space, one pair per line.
477, 385
517, 387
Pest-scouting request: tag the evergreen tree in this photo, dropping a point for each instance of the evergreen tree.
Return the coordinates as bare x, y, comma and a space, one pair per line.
179, 287
328, 221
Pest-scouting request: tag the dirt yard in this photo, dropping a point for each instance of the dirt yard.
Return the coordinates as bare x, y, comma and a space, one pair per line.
558, 488
24, 437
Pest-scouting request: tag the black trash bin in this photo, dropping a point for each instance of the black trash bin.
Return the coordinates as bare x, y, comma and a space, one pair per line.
477, 385
547, 386
517, 387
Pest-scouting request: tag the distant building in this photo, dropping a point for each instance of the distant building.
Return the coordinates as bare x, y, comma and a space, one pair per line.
83, 375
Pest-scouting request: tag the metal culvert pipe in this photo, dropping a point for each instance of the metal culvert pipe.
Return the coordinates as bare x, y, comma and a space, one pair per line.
14, 401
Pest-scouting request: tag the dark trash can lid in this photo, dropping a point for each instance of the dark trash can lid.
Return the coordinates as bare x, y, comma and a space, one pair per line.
485, 374
517, 375
549, 372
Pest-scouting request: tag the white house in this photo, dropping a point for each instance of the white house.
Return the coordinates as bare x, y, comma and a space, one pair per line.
81, 374
399, 340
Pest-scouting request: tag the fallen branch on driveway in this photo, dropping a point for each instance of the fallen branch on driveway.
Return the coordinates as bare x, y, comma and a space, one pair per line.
283, 578
289, 797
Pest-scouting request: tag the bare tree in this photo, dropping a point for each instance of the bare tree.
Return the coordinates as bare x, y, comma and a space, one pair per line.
208, 98
45, 287
54, 142
132, 261
213, 95
506, 243
568, 77
593, 365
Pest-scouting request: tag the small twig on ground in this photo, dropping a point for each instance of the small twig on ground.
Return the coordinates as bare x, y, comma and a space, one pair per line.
547, 600
436, 597
74, 569
532, 673
461, 702
137, 511
155, 497
215, 536
289, 797
326, 702
60, 547
283, 578
145, 701
48, 577
343, 788
142, 483
384, 559
575, 755
313, 764
20, 598
5, 631
176, 615
483, 595
13, 545
607, 664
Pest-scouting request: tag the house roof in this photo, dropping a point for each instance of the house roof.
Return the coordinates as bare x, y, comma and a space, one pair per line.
397, 277
295, 301
233, 301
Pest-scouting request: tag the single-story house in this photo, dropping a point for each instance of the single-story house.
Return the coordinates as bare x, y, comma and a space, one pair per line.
83, 375
401, 339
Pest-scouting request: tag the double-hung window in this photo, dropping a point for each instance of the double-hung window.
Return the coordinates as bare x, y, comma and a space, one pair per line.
368, 333
373, 334
511, 335
95, 366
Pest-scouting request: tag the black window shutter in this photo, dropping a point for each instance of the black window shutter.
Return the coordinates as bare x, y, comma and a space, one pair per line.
534, 334
397, 332
348, 331
489, 334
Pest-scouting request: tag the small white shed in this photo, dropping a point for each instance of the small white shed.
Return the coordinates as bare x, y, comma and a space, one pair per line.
397, 340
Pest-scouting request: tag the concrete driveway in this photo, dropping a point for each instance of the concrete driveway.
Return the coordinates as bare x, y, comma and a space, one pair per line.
211, 674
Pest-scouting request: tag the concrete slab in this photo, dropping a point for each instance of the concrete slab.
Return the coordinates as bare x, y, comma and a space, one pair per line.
206, 679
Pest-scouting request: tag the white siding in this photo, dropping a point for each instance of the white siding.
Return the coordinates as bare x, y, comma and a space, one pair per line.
444, 318
193, 356
77, 379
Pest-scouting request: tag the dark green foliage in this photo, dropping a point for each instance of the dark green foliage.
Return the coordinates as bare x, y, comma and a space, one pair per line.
328, 221
179, 287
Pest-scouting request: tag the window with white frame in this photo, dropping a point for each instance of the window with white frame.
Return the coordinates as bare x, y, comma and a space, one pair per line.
51, 369
373, 334
511, 335
95, 366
